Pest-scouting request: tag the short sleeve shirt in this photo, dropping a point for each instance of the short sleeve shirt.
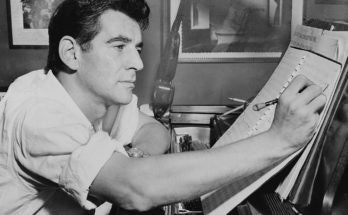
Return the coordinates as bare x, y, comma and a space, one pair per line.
50, 153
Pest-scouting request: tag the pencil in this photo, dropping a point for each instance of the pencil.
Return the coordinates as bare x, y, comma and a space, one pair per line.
262, 105
232, 110
237, 100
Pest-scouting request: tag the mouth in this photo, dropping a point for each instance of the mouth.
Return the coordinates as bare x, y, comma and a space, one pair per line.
128, 84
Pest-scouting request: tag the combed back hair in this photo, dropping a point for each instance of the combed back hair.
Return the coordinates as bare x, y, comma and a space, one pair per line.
80, 20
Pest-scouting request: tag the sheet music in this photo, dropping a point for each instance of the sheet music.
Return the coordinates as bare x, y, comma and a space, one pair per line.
341, 47
317, 68
285, 187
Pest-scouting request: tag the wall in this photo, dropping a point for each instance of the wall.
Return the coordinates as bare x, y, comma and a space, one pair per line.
214, 83
204, 83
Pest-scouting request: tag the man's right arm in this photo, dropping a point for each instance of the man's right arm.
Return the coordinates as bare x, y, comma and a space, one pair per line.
144, 183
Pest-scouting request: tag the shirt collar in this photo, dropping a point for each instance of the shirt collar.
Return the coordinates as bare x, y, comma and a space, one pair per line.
58, 92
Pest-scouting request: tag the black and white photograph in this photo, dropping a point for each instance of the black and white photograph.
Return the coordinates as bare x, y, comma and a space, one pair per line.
173, 107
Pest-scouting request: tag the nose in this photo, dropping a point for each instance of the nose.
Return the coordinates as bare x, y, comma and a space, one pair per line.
134, 61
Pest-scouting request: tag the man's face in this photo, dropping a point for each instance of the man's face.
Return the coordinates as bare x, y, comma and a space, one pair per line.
107, 70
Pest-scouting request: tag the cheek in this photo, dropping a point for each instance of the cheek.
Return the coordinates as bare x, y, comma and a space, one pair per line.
110, 63
97, 59
108, 78
101, 68
104, 68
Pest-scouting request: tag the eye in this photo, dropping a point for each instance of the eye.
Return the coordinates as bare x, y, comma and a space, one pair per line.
139, 50
120, 47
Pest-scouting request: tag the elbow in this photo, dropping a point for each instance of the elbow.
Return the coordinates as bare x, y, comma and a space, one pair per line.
142, 198
141, 204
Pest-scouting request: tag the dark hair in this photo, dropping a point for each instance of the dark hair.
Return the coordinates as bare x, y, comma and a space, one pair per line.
80, 20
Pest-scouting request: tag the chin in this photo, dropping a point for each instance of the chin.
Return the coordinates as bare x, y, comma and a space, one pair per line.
121, 96
124, 100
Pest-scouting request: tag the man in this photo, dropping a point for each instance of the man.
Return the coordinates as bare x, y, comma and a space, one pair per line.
63, 130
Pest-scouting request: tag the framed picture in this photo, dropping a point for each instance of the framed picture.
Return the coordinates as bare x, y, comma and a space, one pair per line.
28, 21
234, 30
331, 1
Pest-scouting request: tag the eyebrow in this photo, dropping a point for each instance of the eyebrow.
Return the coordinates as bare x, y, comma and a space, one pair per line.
125, 40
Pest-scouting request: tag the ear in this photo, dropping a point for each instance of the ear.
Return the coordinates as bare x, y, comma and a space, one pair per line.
68, 52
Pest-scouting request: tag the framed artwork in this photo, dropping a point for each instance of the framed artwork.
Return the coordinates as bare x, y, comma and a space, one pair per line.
234, 30
331, 1
28, 21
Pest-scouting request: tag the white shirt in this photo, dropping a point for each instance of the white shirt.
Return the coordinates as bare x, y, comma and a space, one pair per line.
49, 152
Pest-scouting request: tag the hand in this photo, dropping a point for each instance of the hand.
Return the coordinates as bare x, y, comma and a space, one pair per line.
297, 112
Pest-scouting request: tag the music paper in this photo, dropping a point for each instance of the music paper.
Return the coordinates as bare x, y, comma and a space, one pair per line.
310, 53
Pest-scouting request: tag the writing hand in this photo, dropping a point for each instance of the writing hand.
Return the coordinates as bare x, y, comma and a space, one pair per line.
297, 112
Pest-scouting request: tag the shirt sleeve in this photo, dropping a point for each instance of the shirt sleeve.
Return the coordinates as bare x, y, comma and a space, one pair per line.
57, 149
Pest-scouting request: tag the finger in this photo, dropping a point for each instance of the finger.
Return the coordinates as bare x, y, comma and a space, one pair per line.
317, 104
297, 85
309, 93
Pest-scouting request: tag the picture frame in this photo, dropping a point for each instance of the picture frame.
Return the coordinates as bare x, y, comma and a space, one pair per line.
28, 21
201, 26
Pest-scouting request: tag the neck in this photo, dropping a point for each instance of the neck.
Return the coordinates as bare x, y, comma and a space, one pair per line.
92, 107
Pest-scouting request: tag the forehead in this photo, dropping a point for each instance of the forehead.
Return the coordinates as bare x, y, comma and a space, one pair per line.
115, 23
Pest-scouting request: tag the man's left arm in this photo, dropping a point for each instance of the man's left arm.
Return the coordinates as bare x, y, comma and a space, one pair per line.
151, 136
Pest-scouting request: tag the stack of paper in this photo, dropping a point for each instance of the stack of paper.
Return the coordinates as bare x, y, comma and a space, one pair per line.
313, 52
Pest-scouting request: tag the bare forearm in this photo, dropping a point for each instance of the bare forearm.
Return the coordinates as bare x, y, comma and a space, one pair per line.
187, 175
169, 178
